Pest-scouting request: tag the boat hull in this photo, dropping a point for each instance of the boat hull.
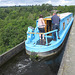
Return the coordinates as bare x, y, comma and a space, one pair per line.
51, 53
52, 48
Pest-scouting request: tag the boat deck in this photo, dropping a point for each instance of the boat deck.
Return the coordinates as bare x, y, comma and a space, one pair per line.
43, 41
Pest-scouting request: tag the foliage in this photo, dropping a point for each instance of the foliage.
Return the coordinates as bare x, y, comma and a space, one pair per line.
66, 8
14, 22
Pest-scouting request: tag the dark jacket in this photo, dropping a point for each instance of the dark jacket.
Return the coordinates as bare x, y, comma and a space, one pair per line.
55, 19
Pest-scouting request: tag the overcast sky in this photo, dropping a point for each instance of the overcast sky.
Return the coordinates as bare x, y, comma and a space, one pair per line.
34, 2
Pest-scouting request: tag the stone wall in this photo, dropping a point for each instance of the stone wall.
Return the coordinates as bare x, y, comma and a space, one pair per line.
12, 52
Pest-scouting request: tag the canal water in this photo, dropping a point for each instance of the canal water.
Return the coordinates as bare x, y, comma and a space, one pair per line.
22, 64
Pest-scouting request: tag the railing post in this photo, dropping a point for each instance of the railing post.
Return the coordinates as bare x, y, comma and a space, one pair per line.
56, 35
35, 37
46, 40
45, 36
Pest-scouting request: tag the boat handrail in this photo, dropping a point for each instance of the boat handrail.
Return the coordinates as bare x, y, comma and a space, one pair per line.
45, 34
34, 33
49, 33
42, 33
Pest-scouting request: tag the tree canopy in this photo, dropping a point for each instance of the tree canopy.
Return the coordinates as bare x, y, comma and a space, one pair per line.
14, 22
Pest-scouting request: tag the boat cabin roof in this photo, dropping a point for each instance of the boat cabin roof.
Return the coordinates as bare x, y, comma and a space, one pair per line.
62, 15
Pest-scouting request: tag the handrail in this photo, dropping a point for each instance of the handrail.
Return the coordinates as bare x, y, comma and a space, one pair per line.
49, 33
44, 34
34, 33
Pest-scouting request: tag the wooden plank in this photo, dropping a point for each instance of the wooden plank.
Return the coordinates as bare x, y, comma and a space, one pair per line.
34, 33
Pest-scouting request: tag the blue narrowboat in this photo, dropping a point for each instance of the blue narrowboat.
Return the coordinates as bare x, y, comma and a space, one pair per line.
48, 47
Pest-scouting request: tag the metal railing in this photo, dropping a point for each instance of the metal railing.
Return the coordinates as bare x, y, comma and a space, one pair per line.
49, 33
46, 35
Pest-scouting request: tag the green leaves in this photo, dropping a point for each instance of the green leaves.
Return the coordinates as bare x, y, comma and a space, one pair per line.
14, 22
66, 8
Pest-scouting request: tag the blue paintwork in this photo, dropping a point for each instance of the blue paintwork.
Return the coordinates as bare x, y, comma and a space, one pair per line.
30, 43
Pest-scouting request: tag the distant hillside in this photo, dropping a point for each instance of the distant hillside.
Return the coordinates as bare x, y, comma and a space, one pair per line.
14, 22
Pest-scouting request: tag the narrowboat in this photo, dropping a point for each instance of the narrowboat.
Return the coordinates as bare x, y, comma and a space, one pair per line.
48, 47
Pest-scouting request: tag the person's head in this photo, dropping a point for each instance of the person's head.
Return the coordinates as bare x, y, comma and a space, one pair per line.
54, 13
41, 16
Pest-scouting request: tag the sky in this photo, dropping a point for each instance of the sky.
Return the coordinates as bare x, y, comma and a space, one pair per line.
34, 2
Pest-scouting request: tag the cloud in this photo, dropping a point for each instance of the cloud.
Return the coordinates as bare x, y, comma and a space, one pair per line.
11, 3
49, 2
40, 0
7, 3
23, 2
67, 0
63, 2
34, 2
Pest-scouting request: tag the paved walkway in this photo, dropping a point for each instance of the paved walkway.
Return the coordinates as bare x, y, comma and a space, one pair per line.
68, 62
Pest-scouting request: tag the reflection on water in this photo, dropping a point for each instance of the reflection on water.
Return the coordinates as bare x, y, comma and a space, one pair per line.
21, 64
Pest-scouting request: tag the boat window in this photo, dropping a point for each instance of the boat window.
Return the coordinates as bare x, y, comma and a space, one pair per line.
67, 21
63, 25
